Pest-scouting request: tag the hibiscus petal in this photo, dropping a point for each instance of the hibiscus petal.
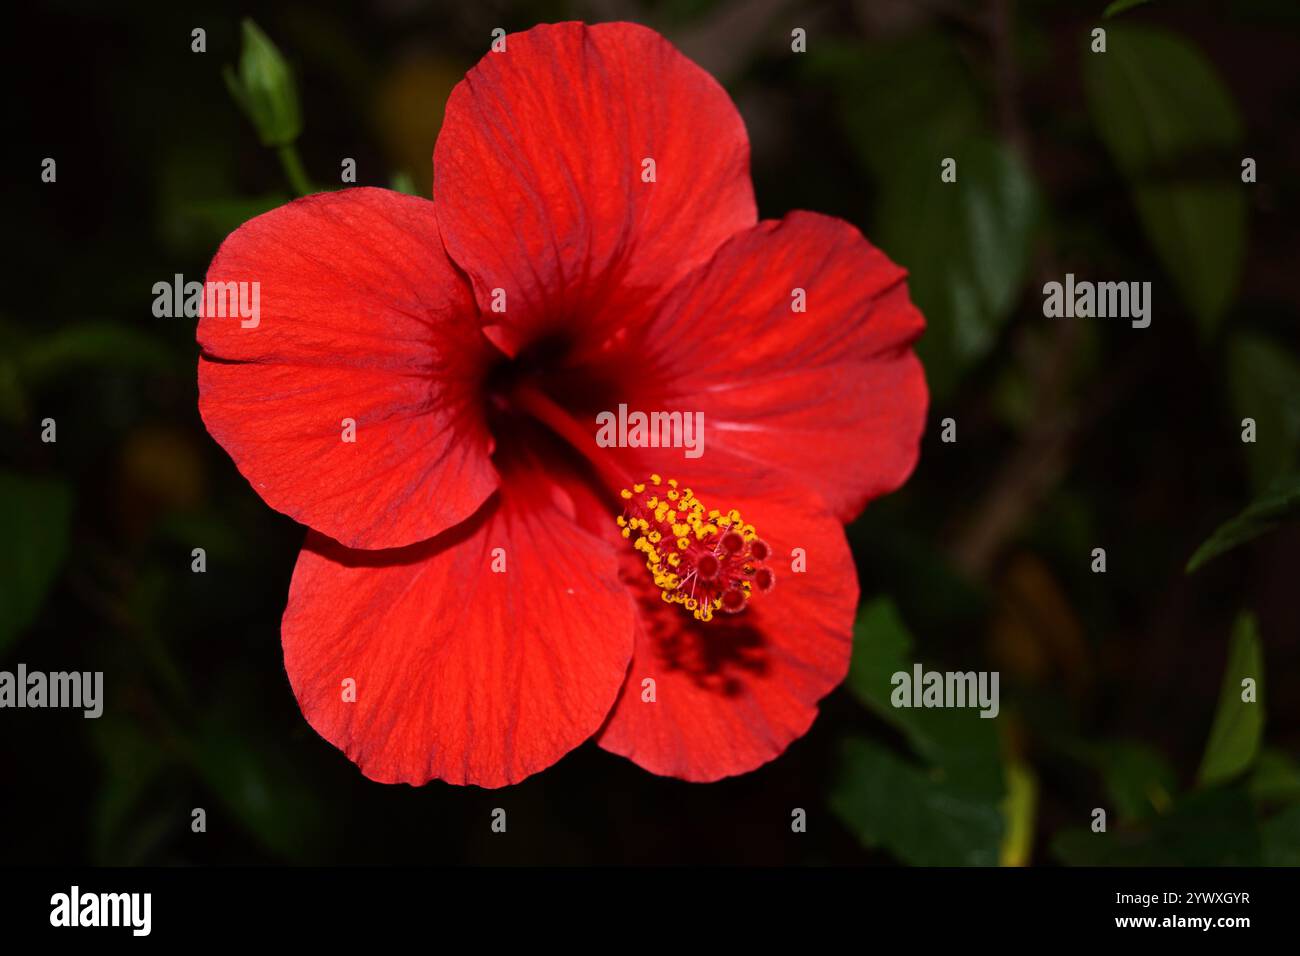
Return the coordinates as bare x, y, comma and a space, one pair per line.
462, 673
733, 693
834, 395
362, 317
538, 176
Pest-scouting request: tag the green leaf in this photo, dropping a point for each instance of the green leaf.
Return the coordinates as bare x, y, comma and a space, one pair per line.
1206, 828
83, 345
123, 831
265, 89
932, 100
402, 182
881, 644
1019, 811
955, 739
1160, 108
1279, 503
966, 247
1139, 780
923, 818
34, 525
1119, 6
1264, 379
1275, 779
949, 808
217, 218
258, 787
1280, 836
1238, 724
905, 106
220, 539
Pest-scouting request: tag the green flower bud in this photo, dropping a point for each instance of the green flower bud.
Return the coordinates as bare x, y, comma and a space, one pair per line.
264, 89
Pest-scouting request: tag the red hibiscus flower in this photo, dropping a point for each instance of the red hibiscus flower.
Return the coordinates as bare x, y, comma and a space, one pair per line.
484, 586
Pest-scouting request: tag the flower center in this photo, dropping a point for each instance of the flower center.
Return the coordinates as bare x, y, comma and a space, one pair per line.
704, 560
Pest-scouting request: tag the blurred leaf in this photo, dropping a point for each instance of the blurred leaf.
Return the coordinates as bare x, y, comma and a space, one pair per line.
403, 183
1205, 828
145, 601
206, 527
1280, 836
951, 809
966, 247
1119, 6
1158, 105
107, 345
34, 523
198, 196
955, 739
924, 820
265, 89
905, 106
132, 764
1139, 780
217, 218
931, 100
1238, 724
264, 792
1264, 379
1019, 811
1275, 779
1278, 504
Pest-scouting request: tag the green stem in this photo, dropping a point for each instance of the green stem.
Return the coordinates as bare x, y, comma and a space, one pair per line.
293, 169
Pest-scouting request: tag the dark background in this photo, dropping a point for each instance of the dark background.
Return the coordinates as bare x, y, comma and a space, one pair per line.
1072, 435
